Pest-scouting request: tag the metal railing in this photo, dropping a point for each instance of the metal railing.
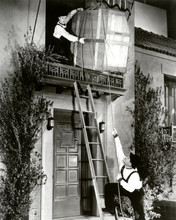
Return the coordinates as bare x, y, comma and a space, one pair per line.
66, 72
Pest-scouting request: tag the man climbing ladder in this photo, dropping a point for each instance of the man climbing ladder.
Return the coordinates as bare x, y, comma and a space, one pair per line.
129, 182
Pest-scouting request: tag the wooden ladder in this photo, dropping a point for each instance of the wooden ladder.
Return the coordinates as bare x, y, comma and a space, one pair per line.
93, 161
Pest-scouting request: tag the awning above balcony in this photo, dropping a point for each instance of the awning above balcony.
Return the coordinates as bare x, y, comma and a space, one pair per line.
121, 4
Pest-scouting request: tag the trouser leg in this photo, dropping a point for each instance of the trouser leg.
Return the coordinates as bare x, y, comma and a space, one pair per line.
110, 192
137, 201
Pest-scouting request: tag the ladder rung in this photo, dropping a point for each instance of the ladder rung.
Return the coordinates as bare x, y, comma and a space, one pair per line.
101, 177
84, 96
97, 159
101, 194
94, 143
91, 127
90, 112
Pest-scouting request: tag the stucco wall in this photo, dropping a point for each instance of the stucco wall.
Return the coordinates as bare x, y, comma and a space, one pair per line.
156, 64
16, 16
150, 18
151, 63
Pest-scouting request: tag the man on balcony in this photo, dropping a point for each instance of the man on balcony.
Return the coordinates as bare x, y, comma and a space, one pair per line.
59, 29
61, 35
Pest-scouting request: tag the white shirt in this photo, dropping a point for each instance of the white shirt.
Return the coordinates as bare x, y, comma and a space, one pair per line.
59, 31
134, 181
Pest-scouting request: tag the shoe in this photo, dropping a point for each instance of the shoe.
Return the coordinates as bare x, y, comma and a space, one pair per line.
104, 209
110, 210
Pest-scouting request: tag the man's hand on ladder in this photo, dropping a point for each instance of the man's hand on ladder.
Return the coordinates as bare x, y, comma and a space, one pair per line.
114, 133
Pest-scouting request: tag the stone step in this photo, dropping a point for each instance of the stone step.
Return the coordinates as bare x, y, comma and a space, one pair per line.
106, 217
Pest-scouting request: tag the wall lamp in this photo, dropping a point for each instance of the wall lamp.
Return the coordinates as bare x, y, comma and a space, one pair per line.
50, 123
101, 126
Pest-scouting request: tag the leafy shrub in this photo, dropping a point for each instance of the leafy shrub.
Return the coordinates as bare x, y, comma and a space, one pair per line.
158, 155
124, 206
22, 113
150, 195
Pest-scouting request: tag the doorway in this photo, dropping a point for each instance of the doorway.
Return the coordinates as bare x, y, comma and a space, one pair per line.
66, 164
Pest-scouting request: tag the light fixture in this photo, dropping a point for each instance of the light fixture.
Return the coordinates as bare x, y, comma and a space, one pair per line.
101, 126
50, 123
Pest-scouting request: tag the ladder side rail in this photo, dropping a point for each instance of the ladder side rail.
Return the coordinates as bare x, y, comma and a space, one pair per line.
103, 153
88, 152
96, 190
97, 195
84, 131
99, 138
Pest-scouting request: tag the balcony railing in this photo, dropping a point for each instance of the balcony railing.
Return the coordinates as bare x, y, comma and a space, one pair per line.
65, 75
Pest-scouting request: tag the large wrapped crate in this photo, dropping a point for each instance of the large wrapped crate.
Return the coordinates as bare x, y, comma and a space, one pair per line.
107, 39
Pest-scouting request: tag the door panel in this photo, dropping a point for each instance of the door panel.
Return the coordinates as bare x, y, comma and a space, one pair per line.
66, 192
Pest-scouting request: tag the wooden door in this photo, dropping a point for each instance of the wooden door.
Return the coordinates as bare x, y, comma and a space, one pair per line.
66, 192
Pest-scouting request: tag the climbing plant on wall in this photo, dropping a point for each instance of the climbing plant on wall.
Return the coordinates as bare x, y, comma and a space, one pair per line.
22, 113
157, 155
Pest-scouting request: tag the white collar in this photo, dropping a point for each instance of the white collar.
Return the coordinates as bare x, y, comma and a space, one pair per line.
62, 25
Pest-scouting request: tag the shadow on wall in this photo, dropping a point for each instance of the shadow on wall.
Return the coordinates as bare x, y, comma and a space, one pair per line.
110, 162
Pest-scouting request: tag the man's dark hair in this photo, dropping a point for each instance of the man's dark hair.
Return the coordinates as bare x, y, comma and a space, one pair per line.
135, 160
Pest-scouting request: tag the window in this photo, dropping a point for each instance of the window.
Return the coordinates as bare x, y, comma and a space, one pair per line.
170, 100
